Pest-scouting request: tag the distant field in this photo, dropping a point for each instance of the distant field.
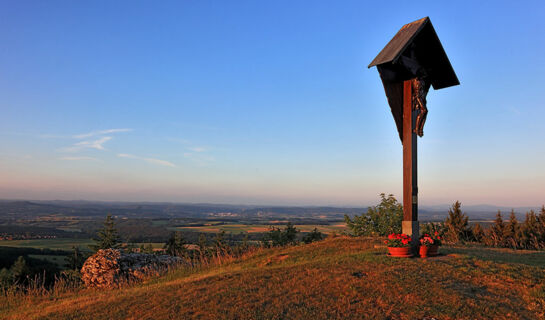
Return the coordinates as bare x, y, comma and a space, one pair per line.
62, 244
260, 228
69, 229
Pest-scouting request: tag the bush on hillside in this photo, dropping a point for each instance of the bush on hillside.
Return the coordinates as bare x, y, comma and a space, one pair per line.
277, 238
380, 220
175, 245
315, 235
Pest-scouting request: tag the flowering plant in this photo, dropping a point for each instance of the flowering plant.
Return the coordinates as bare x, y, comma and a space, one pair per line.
398, 240
430, 240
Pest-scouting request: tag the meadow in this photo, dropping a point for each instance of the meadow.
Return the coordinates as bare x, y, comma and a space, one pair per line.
338, 278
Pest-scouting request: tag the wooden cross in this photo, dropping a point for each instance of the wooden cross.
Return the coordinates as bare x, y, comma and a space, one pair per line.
408, 65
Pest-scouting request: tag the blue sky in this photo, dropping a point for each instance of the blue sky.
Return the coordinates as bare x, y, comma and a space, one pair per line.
263, 102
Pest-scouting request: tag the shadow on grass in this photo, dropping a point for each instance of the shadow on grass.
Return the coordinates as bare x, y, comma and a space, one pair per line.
524, 257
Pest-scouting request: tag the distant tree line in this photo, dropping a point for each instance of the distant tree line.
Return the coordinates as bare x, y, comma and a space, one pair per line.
511, 233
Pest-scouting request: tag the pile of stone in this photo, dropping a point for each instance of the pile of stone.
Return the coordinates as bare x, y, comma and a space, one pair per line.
110, 268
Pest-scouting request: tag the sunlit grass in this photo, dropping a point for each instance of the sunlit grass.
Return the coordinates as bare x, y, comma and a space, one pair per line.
340, 278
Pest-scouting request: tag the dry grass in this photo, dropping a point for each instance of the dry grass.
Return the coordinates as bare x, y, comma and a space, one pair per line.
339, 278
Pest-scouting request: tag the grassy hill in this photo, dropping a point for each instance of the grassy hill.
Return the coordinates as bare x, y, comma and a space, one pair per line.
339, 278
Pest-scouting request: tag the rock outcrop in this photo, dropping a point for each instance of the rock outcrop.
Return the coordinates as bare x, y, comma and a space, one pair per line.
109, 268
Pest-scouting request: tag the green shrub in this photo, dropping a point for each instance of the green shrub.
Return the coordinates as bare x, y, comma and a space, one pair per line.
432, 228
107, 237
380, 220
277, 238
315, 235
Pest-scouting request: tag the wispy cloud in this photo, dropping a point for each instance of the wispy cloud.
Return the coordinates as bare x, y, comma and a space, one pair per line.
100, 132
149, 160
79, 159
197, 153
89, 142
97, 144
197, 149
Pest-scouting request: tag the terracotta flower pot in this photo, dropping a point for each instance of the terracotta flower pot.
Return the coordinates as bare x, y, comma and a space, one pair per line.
428, 251
400, 252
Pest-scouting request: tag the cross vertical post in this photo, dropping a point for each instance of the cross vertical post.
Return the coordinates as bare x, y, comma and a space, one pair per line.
410, 224
413, 61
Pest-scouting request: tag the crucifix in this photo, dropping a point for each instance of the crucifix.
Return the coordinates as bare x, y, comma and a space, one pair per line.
408, 65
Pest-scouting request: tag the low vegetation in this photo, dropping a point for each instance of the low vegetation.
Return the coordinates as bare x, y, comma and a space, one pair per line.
380, 220
385, 218
530, 234
338, 278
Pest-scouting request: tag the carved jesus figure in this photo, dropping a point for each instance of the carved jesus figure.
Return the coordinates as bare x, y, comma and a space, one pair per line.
420, 89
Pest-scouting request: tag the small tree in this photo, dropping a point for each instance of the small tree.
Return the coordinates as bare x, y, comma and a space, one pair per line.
496, 231
245, 244
541, 227
203, 247
5, 278
76, 259
478, 232
530, 231
175, 245
219, 240
277, 238
383, 219
315, 235
220, 244
107, 236
456, 224
273, 237
511, 232
290, 234
19, 270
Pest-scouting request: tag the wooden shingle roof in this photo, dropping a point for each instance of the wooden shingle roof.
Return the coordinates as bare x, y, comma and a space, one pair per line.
416, 51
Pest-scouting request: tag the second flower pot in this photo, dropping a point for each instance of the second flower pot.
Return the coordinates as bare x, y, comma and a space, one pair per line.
428, 251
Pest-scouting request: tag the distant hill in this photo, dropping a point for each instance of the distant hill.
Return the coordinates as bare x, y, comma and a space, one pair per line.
18, 209
339, 278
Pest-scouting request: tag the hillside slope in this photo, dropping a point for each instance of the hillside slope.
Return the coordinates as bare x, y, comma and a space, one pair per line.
340, 278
